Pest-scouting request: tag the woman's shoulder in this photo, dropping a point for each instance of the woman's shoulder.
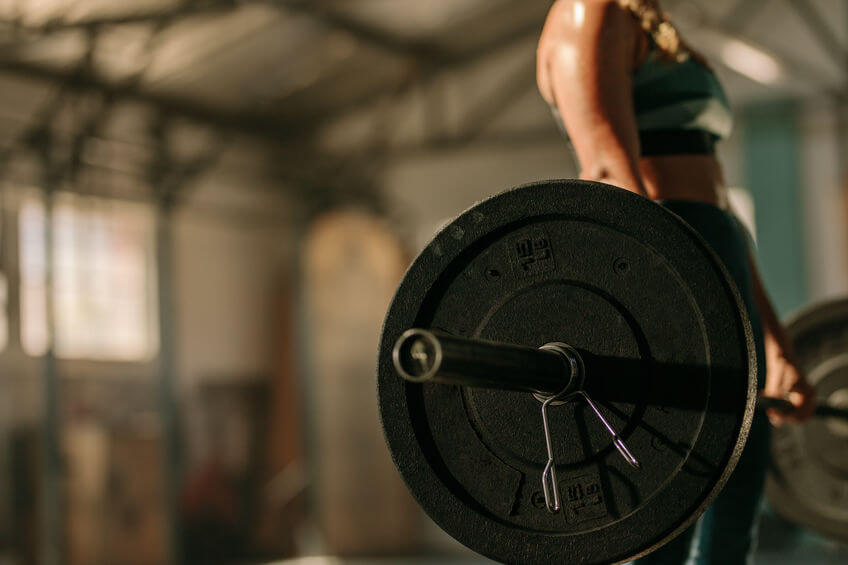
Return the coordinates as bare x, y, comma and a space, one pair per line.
587, 21
600, 32
590, 24
580, 12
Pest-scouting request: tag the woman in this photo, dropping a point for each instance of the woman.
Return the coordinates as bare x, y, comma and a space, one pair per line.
643, 112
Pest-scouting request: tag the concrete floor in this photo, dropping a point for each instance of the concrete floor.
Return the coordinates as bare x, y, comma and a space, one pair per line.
820, 554
781, 543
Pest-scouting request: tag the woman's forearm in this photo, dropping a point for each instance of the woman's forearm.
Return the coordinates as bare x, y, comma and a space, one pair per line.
776, 341
785, 377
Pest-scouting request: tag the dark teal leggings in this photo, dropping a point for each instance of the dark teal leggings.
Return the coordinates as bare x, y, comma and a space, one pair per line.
726, 533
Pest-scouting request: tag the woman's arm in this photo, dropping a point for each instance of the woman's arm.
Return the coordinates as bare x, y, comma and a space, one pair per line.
784, 376
585, 62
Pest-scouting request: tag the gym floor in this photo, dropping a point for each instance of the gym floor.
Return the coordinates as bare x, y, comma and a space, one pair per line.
795, 547
781, 543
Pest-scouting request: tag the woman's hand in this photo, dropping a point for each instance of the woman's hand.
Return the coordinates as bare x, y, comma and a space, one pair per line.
785, 379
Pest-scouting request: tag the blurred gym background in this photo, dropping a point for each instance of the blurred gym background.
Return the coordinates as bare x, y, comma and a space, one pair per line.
207, 204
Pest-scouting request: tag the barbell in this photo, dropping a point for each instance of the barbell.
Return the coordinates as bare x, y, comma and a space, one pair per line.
566, 373
670, 368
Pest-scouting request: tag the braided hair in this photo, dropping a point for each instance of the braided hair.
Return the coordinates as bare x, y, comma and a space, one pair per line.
665, 36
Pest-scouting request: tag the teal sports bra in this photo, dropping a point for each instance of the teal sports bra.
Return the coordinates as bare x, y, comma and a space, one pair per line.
680, 107
672, 95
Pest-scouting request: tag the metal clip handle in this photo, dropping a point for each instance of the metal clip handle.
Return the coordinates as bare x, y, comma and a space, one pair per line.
616, 439
550, 488
549, 480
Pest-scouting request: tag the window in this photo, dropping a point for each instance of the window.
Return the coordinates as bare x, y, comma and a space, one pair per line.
104, 300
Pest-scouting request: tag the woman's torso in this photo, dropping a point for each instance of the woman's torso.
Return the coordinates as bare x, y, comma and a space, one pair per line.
684, 176
667, 175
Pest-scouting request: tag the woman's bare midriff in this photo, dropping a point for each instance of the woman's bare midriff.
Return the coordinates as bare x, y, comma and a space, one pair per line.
684, 177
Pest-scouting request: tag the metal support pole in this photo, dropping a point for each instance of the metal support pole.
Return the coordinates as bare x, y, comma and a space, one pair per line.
166, 178
312, 539
165, 193
842, 115
167, 376
7, 390
53, 507
841, 119
10, 265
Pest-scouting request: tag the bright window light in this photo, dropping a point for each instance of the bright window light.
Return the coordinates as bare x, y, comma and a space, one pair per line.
103, 277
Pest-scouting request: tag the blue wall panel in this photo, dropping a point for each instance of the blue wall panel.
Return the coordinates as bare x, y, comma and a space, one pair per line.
772, 174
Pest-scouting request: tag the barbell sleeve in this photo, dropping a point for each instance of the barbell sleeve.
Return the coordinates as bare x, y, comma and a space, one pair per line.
421, 355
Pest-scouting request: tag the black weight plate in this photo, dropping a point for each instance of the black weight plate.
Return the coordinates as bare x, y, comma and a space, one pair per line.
808, 482
669, 358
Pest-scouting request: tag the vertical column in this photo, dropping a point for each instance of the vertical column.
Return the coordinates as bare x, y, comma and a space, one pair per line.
840, 110
8, 392
840, 113
313, 541
53, 507
772, 174
11, 266
167, 372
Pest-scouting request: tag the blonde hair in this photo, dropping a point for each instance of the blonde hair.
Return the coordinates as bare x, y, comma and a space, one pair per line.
657, 24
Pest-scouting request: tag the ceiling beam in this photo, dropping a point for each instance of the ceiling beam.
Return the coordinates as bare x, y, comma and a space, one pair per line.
796, 69
741, 14
183, 10
82, 80
424, 71
509, 91
821, 30
426, 52
370, 34
546, 136
426, 61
